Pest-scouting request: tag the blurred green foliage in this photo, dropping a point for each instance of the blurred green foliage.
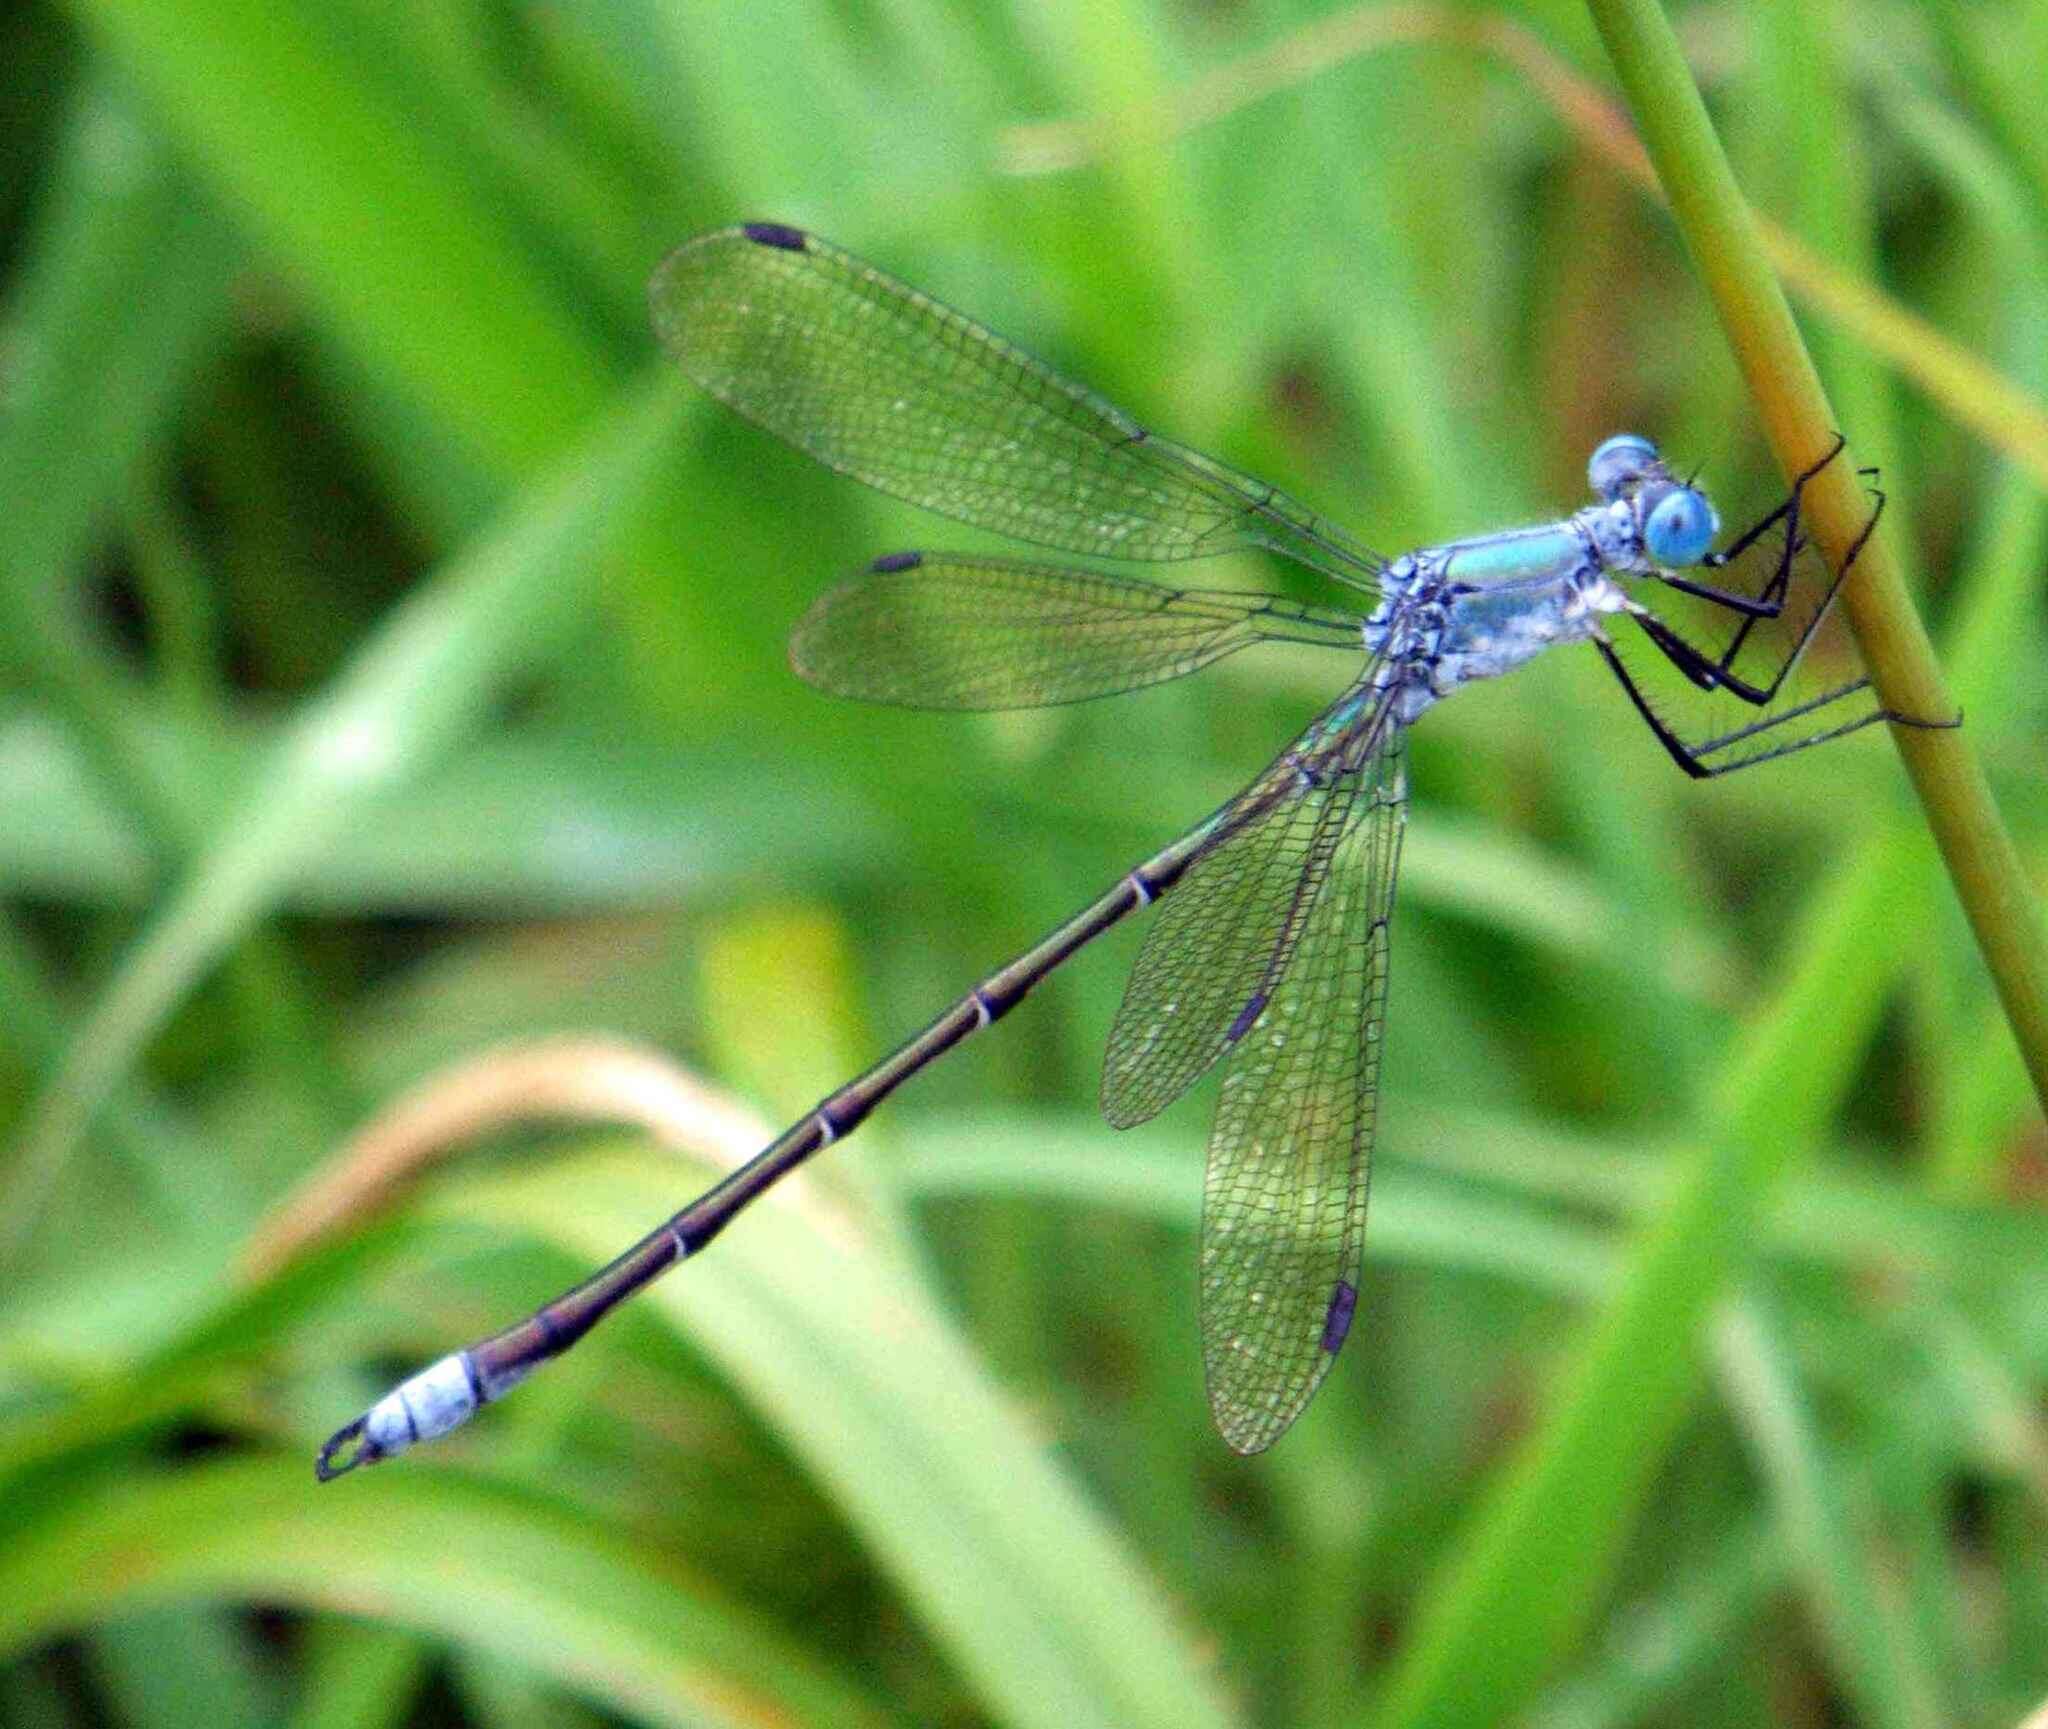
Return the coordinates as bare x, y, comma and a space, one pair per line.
392, 669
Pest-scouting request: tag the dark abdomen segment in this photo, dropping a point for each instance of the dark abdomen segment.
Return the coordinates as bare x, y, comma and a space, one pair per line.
506, 1358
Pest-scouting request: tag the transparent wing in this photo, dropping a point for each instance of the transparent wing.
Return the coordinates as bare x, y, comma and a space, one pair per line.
1220, 943
883, 383
1283, 1208
1761, 686
948, 630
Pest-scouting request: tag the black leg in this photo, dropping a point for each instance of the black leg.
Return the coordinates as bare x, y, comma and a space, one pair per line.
1748, 606
1709, 671
1775, 590
1651, 718
1762, 727
1693, 758
1698, 669
1744, 541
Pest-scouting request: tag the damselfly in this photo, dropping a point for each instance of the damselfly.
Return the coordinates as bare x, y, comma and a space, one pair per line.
1270, 949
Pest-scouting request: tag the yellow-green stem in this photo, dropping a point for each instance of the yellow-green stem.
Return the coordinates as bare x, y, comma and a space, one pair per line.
1722, 236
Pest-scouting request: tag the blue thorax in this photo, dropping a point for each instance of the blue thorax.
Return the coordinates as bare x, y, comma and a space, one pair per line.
1480, 607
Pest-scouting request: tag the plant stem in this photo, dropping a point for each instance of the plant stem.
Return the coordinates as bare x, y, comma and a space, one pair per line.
1722, 236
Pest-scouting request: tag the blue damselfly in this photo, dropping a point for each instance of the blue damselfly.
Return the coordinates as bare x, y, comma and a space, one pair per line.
1270, 949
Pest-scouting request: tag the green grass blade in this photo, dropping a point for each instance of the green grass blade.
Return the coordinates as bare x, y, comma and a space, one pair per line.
1675, 1639
1045, 1611
405, 258
520, 822
604, 1617
1527, 1578
357, 1677
127, 294
1417, 1219
1882, 1664
178, 1664
512, 599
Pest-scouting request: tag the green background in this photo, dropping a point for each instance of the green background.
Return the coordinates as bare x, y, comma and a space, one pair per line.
393, 679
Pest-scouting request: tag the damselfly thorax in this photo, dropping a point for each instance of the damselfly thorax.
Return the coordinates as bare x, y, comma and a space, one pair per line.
1480, 607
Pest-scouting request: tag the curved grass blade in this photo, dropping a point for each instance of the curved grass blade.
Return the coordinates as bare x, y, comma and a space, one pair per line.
878, 381
1283, 1204
601, 1613
958, 631
851, 1362
418, 685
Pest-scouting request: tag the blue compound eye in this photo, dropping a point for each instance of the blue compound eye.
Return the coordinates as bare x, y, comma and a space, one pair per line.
1681, 527
1619, 462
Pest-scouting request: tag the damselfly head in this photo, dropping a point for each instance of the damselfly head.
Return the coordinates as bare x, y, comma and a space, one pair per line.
1679, 525
1621, 463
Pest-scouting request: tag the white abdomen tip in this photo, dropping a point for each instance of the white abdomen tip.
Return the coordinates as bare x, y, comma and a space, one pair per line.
439, 1398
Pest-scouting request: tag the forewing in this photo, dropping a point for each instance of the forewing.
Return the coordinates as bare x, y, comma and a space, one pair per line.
1803, 661
1220, 943
949, 630
883, 383
1283, 1209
